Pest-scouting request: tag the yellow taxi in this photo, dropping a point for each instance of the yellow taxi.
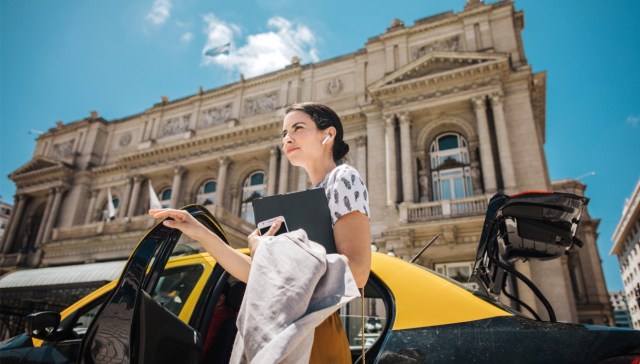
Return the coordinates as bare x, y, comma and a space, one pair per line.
163, 309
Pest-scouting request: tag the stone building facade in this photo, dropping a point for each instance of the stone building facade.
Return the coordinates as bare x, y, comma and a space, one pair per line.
626, 246
5, 214
440, 116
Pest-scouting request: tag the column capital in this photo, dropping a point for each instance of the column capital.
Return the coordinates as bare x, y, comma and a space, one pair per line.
389, 119
224, 160
57, 189
405, 117
361, 141
138, 178
496, 98
20, 197
179, 170
478, 102
273, 151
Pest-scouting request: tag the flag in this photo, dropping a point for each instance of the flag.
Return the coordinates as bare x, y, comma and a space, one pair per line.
110, 206
216, 51
154, 202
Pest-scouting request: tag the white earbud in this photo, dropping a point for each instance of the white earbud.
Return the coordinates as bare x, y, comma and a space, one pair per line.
326, 139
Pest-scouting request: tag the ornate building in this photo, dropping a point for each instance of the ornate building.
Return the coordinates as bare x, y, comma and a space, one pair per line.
439, 116
626, 246
5, 213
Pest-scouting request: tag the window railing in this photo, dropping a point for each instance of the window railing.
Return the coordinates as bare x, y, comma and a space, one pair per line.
426, 211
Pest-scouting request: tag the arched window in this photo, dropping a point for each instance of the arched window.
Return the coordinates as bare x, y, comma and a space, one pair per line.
207, 193
254, 187
450, 169
165, 197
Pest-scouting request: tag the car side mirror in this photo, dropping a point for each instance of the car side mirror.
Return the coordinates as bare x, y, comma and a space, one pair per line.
42, 325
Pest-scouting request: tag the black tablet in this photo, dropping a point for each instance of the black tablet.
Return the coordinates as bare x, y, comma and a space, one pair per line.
306, 210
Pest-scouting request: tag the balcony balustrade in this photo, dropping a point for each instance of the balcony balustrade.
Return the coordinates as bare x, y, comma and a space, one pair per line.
435, 210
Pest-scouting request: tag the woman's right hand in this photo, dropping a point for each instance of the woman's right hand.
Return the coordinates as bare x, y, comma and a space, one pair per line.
182, 220
254, 239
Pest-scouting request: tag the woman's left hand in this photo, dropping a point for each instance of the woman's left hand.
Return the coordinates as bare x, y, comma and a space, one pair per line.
254, 238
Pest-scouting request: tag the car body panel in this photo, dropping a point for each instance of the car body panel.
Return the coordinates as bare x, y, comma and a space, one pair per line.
511, 339
425, 299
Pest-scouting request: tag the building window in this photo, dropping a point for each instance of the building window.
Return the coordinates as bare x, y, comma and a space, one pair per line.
207, 193
165, 198
459, 271
254, 187
450, 166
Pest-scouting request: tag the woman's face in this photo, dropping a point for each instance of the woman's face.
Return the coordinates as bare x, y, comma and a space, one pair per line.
301, 138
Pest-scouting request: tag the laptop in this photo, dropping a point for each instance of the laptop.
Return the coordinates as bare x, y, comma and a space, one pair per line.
306, 210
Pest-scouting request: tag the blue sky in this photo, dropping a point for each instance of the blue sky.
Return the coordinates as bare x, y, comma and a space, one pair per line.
62, 59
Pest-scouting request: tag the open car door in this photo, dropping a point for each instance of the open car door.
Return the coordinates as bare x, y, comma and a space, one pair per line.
132, 327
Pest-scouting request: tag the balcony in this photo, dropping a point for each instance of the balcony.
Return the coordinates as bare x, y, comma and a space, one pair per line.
436, 210
232, 224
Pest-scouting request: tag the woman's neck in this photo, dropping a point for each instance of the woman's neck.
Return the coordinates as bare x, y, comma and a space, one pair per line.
317, 171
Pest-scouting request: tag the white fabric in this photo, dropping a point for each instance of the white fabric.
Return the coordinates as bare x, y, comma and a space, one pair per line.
346, 192
293, 287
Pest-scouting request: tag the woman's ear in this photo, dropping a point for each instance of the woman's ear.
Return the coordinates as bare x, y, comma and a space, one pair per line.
332, 131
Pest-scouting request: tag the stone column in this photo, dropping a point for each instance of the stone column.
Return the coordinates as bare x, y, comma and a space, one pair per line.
486, 155
407, 163
504, 149
124, 201
222, 179
51, 220
391, 169
376, 169
271, 174
45, 217
176, 187
303, 179
361, 151
92, 205
14, 222
135, 196
284, 174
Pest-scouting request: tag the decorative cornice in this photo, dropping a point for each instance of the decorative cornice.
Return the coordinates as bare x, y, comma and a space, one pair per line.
440, 93
202, 146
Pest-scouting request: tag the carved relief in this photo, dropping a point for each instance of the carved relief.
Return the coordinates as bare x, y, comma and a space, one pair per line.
125, 139
63, 150
447, 45
176, 125
335, 86
261, 104
215, 116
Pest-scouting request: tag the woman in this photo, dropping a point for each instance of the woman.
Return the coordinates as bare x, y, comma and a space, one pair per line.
312, 137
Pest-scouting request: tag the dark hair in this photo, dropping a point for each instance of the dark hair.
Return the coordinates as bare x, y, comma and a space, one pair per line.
324, 117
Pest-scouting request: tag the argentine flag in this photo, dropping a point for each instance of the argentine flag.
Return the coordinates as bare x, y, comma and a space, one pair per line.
216, 51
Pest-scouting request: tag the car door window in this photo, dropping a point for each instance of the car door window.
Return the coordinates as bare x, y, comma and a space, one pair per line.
84, 320
175, 285
376, 317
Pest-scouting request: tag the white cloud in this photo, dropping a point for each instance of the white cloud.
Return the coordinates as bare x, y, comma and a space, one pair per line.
187, 37
160, 12
263, 52
633, 120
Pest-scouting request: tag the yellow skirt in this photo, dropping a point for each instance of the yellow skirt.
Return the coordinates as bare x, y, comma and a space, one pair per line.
330, 343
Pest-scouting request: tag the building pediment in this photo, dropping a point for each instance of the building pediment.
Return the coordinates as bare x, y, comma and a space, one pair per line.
440, 66
39, 166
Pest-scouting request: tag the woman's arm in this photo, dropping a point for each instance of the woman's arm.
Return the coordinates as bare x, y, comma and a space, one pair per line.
352, 233
234, 262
